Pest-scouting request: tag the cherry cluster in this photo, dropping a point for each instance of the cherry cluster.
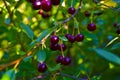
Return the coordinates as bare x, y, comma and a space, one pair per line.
61, 47
117, 26
45, 5
72, 38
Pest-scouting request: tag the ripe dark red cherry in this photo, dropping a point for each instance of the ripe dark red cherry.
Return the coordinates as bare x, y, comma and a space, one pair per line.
91, 27
87, 13
116, 24
54, 39
67, 35
36, 4
66, 61
79, 37
71, 39
55, 2
59, 59
42, 67
118, 31
46, 5
71, 10
54, 46
61, 47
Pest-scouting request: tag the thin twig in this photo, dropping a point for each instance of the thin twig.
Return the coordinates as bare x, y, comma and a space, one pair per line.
72, 16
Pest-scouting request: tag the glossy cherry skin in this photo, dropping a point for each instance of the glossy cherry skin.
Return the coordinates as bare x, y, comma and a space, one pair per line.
66, 61
61, 47
79, 37
36, 4
91, 27
46, 5
71, 10
54, 39
59, 59
71, 39
42, 67
55, 2
54, 46
118, 31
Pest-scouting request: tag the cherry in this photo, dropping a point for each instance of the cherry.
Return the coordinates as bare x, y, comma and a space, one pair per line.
67, 35
54, 39
55, 2
87, 13
42, 67
46, 5
116, 24
118, 31
36, 4
66, 61
71, 39
91, 27
63, 46
54, 46
59, 59
71, 10
79, 37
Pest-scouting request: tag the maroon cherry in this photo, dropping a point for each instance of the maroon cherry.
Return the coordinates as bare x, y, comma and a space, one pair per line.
61, 47
87, 13
59, 59
54, 39
66, 61
116, 24
55, 2
54, 46
46, 5
79, 37
71, 10
42, 67
91, 27
118, 31
67, 35
71, 39
36, 4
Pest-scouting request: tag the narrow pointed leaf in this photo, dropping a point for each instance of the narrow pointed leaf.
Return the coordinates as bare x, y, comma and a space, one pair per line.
108, 55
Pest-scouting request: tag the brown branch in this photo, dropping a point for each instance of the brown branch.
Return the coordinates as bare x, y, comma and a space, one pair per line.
17, 61
72, 16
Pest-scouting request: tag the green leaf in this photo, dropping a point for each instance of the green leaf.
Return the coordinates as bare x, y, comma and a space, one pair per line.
116, 46
41, 55
9, 75
27, 30
63, 38
45, 33
27, 58
108, 55
57, 67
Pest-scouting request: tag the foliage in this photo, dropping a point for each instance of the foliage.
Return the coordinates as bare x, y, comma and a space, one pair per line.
25, 41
